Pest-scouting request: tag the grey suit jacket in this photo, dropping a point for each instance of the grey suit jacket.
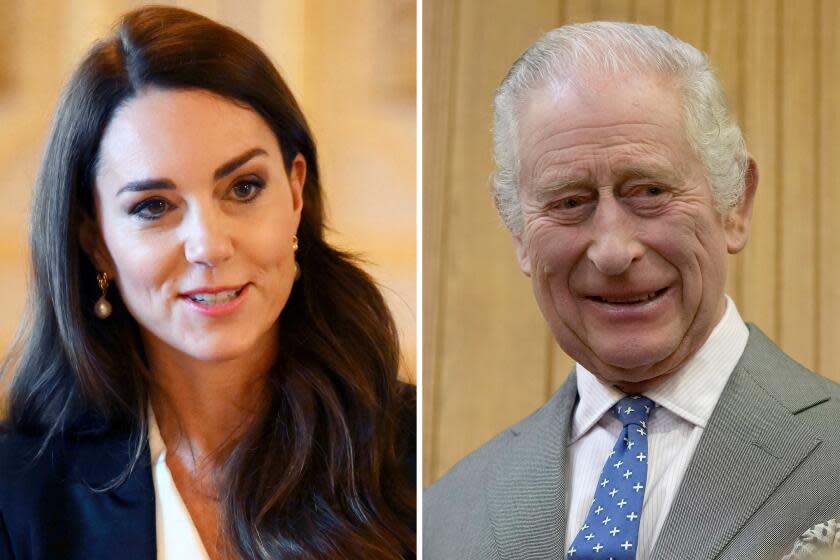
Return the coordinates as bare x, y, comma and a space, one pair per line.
765, 470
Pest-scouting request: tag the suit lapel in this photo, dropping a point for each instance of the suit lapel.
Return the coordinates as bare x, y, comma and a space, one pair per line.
751, 443
526, 494
119, 519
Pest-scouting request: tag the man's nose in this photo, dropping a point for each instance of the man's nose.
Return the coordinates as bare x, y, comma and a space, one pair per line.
614, 245
207, 238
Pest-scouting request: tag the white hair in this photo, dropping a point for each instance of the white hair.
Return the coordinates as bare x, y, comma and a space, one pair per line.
561, 54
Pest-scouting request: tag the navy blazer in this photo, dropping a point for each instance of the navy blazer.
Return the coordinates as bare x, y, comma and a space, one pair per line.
49, 508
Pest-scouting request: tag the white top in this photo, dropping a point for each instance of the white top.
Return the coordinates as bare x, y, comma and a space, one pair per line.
177, 537
684, 402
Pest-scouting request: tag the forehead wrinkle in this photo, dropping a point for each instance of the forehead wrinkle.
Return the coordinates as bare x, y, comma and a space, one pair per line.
641, 154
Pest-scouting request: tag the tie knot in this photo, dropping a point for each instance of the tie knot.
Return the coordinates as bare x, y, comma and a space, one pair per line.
633, 410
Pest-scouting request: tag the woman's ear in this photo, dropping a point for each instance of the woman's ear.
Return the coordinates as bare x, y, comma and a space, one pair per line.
297, 179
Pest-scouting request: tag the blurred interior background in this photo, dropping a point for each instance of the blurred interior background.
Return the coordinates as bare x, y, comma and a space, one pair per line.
351, 66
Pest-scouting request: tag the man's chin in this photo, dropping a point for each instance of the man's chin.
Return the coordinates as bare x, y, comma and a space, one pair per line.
631, 363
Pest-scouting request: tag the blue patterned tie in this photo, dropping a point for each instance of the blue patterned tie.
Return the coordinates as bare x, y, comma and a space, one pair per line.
611, 529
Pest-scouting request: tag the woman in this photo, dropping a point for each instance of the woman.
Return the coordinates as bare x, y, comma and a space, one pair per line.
202, 375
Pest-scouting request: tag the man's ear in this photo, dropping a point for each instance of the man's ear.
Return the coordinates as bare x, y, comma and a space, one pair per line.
522, 254
737, 223
94, 247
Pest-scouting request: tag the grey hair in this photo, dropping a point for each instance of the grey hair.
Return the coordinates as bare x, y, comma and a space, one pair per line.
616, 47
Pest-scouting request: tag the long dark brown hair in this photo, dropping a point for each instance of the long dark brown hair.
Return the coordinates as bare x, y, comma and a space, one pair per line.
321, 474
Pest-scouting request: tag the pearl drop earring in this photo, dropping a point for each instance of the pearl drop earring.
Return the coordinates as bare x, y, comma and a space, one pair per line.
102, 308
294, 249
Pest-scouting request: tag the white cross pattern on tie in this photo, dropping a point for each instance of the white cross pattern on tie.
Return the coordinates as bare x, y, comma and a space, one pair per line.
602, 541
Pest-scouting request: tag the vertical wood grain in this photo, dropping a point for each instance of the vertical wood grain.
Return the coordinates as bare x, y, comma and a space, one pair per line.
687, 20
650, 12
614, 10
439, 43
758, 301
577, 11
488, 343
724, 49
828, 271
798, 180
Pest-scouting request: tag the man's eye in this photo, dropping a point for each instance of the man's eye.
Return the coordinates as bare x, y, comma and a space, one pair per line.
648, 197
647, 191
151, 209
572, 202
246, 191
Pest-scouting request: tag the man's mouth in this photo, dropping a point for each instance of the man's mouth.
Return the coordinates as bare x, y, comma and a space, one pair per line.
629, 300
216, 298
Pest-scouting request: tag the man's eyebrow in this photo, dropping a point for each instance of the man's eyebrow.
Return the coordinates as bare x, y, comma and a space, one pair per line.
238, 161
646, 173
550, 188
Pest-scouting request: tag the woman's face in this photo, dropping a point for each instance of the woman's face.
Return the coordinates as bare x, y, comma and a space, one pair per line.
195, 216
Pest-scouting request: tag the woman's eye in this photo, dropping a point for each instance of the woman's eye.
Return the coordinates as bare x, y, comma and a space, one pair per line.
653, 191
246, 191
151, 209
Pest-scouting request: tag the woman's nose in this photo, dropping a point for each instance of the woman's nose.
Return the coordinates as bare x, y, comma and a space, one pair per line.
207, 238
614, 245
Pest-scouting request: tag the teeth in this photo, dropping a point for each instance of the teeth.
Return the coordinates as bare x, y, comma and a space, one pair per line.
215, 299
637, 299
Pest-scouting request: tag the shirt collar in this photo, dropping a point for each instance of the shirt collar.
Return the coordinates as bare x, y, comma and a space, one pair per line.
691, 393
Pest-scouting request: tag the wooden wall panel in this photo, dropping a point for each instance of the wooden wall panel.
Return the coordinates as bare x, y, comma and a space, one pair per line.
485, 341
438, 46
828, 269
798, 310
761, 106
687, 20
722, 37
651, 12
493, 359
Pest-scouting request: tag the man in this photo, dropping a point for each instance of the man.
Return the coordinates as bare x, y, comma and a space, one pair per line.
682, 432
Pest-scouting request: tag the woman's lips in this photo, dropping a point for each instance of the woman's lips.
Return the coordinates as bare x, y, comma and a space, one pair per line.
215, 302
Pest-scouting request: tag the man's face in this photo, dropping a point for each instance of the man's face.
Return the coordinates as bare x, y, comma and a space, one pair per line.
625, 249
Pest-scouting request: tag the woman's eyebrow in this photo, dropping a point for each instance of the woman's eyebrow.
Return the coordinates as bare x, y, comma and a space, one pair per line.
167, 184
147, 185
238, 161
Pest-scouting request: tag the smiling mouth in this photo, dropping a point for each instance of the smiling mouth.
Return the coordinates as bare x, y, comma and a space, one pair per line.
216, 298
642, 298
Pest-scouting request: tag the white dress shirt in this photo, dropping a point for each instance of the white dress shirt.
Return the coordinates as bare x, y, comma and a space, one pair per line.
177, 537
684, 403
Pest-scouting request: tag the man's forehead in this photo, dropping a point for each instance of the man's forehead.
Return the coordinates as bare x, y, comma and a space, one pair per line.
585, 97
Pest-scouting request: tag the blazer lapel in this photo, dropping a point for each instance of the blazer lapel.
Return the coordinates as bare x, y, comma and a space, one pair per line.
752, 442
527, 487
108, 523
